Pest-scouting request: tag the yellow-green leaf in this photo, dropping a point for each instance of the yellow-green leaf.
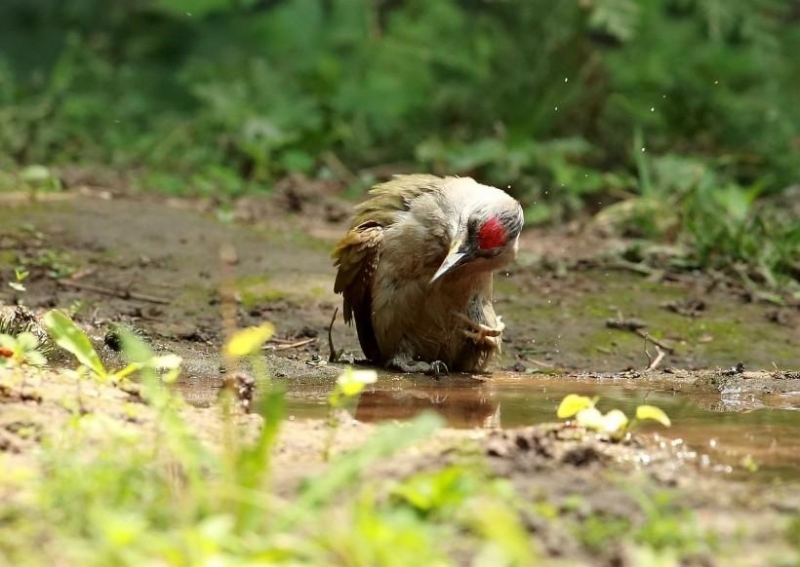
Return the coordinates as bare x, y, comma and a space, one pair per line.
248, 341
654, 413
352, 382
590, 418
572, 404
615, 422
68, 336
165, 362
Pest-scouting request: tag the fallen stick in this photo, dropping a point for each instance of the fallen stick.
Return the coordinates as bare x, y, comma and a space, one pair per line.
645, 335
333, 356
638, 327
122, 294
654, 362
297, 344
540, 363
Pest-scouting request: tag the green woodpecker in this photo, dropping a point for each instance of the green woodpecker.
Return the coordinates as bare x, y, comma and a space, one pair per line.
416, 269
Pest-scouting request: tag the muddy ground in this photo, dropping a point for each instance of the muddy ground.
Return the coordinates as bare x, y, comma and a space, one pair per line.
154, 264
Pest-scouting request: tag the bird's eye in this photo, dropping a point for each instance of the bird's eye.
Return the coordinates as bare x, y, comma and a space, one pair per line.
491, 234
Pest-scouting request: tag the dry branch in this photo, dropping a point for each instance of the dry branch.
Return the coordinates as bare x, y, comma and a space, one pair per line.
120, 293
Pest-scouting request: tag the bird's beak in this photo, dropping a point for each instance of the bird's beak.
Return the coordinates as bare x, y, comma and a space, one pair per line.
454, 258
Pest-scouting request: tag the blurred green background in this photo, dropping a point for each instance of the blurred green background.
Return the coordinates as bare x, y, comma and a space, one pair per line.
680, 119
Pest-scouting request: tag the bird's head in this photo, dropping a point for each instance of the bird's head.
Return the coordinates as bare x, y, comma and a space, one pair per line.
485, 238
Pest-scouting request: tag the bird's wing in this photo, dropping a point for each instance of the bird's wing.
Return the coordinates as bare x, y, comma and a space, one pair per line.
358, 253
357, 256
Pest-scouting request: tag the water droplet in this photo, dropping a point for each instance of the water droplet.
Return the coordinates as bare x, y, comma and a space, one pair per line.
189, 14
556, 109
716, 82
652, 109
566, 79
643, 150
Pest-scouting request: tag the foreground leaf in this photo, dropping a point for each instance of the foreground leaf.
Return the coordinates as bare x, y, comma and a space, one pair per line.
572, 404
351, 382
248, 341
71, 338
590, 418
654, 413
615, 422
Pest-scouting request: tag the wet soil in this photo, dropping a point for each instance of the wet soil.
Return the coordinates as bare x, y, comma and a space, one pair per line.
575, 324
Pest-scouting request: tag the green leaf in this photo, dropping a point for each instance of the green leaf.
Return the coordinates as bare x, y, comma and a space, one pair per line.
35, 358
572, 404
8, 342
35, 173
27, 341
654, 413
68, 336
248, 341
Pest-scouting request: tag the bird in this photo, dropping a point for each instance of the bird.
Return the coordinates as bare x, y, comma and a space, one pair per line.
416, 268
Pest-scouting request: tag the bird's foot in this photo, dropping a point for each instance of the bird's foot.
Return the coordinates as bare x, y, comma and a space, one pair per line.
436, 368
482, 334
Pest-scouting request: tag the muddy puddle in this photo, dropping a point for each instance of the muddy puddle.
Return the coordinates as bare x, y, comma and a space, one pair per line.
761, 444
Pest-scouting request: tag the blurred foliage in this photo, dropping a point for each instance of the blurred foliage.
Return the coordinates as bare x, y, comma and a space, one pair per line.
227, 96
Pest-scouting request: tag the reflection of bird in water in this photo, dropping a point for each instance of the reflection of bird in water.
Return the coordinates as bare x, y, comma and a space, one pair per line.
415, 270
459, 406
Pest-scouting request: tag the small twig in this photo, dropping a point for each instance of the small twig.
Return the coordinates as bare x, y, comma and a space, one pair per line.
636, 326
634, 267
297, 344
655, 341
122, 294
660, 353
540, 363
333, 356
625, 324
80, 274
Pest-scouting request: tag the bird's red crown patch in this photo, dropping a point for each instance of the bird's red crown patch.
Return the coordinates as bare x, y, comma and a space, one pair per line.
492, 234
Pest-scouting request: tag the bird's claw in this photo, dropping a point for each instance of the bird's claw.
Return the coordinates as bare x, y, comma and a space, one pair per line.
435, 369
438, 368
480, 333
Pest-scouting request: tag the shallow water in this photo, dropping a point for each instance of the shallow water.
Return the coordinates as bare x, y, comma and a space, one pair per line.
736, 430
